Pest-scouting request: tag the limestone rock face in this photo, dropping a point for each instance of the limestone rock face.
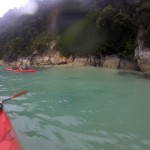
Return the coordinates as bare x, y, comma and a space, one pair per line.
86, 61
128, 65
111, 62
2, 63
94, 61
37, 60
70, 59
53, 57
56, 58
142, 55
80, 62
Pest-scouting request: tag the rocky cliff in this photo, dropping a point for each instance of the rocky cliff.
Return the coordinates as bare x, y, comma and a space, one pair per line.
142, 55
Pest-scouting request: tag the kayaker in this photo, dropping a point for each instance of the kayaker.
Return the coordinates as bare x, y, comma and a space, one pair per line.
1, 104
17, 65
14, 67
26, 65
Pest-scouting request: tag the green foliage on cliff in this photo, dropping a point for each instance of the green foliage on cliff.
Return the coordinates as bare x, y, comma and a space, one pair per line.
79, 39
143, 21
118, 31
105, 32
100, 27
41, 42
115, 30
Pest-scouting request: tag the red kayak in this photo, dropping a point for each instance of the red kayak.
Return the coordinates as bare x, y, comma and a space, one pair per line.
20, 70
8, 139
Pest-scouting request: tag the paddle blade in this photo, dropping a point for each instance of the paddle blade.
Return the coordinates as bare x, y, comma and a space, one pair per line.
17, 95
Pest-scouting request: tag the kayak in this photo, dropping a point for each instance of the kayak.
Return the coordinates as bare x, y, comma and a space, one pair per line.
8, 139
20, 70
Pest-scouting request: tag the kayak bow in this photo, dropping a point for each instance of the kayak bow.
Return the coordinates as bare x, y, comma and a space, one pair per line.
8, 139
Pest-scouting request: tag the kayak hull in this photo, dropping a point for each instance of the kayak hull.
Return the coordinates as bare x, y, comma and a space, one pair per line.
8, 139
20, 70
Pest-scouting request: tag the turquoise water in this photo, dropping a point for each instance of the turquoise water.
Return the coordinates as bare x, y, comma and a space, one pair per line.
79, 109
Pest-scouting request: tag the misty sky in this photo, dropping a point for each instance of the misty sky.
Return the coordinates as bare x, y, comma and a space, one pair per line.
9, 4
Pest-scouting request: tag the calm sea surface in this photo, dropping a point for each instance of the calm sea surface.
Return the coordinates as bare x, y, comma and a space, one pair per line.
79, 109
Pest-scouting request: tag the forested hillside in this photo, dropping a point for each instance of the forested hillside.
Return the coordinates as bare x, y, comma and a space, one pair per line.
89, 27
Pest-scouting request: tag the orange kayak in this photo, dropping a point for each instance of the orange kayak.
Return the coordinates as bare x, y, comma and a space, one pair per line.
8, 139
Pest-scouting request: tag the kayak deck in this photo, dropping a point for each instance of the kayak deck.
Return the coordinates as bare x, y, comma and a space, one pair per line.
20, 70
8, 139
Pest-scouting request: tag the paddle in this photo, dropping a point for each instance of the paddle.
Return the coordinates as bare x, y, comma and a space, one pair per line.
16, 95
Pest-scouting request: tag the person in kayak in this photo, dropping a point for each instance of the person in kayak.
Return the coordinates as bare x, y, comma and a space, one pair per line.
26, 65
22, 65
1, 104
17, 65
14, 67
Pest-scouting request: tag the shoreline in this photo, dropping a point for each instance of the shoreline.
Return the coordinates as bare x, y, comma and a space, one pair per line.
134, 72
71, 65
